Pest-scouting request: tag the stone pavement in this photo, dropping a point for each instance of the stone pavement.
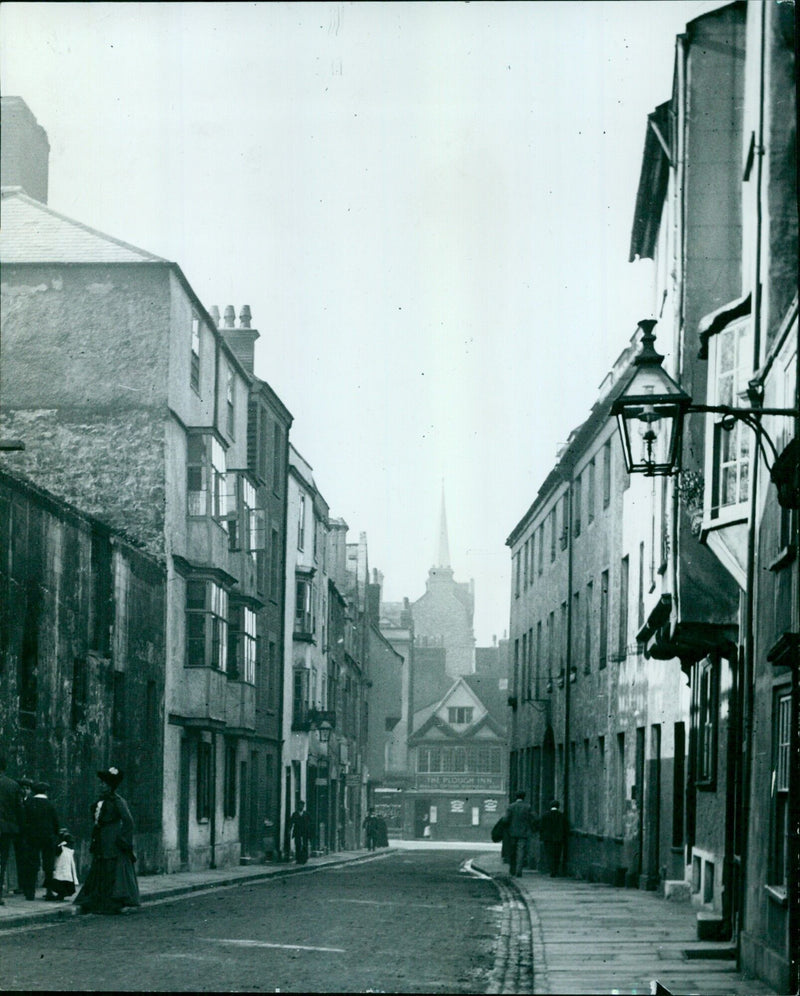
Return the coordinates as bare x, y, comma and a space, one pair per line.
592, 938
21, 912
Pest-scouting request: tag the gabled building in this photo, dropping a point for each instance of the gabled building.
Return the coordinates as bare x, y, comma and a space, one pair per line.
457, 751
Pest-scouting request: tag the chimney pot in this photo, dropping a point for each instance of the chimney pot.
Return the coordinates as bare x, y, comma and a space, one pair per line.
245, 317
214, 312
230, 317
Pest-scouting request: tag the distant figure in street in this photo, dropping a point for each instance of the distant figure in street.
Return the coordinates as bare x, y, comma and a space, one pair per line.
39, 838
381, 832
553, 831
301, 831
10, 818
65, 874
111, 883
520, 826
371, 830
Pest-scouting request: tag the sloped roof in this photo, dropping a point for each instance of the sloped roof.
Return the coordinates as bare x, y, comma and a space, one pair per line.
31, 232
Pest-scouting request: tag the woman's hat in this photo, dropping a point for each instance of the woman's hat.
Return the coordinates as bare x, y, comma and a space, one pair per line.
112, 777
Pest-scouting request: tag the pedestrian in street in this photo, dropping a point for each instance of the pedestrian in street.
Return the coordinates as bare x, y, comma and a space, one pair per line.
553, 831
10, 818
65, 874
39, 833
111, 884
520, 826
381, 832
371, 830
300, 825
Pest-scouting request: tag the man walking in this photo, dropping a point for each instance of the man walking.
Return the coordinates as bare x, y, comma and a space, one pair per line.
520, 826
40, 836
553, 831
371, 830
301, 831
10, 800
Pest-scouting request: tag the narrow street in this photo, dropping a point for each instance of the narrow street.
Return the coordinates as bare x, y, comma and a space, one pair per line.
407, 922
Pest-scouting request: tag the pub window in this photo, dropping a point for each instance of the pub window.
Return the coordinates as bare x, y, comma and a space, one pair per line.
517, 691
422, 760
606, 473
525, 555
590, 493
203, 780
553, 529
577, 505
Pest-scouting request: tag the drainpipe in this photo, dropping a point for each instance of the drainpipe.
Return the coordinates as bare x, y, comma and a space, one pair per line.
568, 665
213, 826
747, 691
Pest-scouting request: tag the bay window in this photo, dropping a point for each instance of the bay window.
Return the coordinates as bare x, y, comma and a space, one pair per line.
206, 625
730, 444
206, 478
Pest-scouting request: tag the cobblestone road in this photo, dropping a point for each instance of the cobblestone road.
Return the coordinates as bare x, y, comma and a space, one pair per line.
406, 922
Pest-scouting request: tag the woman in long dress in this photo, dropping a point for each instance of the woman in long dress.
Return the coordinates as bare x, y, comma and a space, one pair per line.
111, 883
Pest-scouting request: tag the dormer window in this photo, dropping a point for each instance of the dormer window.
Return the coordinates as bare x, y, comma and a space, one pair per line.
459, 715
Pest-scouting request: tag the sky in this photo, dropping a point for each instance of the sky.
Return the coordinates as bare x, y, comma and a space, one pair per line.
427, 207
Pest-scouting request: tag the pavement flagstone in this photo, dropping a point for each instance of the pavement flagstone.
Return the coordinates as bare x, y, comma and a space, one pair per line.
593, 938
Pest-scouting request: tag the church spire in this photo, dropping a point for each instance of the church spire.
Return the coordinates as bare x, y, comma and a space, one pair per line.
443, 559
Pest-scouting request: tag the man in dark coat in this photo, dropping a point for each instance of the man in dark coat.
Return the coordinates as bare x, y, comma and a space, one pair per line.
40, 837
371, 830
553, 831
301, 830
520, 826
10, 814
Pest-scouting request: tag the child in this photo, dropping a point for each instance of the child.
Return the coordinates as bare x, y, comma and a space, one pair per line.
65, 876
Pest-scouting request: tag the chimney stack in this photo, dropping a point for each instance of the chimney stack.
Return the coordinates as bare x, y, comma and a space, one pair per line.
24, 150
242, 340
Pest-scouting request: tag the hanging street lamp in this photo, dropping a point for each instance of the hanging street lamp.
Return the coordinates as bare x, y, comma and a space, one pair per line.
650, 411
